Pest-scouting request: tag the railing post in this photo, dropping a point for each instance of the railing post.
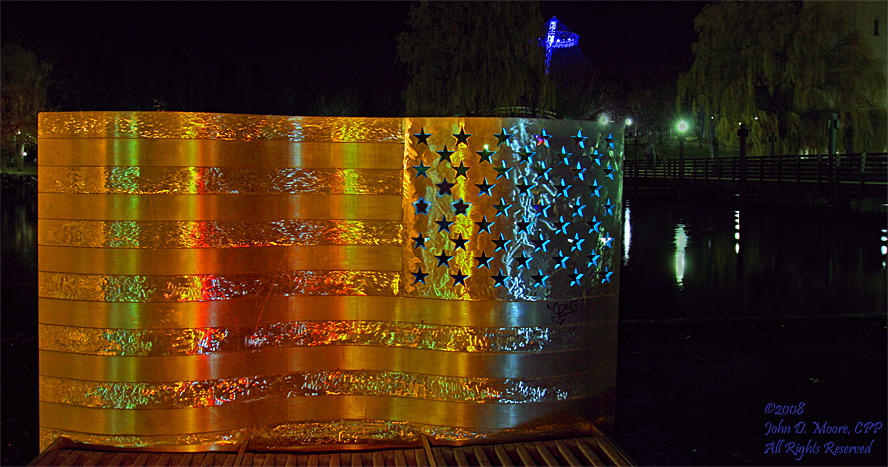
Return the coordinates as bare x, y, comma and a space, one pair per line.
762, 174
832, 175
779, 172
862, 175
743, 132
798, 173
772, 138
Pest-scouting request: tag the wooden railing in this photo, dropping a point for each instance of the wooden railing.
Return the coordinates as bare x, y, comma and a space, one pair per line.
862, 175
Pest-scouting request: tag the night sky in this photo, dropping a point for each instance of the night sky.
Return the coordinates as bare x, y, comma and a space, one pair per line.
338, 44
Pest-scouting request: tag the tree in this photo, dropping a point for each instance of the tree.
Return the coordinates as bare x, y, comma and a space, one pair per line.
23, 81
474, 58
781, 69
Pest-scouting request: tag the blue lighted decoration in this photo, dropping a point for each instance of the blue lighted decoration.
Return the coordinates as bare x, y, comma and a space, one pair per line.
558, 37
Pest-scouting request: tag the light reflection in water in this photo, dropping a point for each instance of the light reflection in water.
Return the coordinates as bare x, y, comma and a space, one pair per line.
681, 242
884, 246
627, 235
737, 232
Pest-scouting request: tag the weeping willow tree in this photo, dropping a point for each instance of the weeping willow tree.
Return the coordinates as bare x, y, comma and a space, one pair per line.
474, 58
782, 69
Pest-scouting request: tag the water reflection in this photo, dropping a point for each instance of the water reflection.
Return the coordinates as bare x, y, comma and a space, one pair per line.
689, 259
627, 234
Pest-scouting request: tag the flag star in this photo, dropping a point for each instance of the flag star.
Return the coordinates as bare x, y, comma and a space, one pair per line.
561, 225
579, 138
502, 137
444, 187
609, 208
422, 137
541, 209
421, 206
421, 169
502, 208
594, 223
443, 224
462, 137
539, 243
522, 226
502, 171
578, 172
578, 210
593, 259
598, 158
459, 278
605, 275
461, 207
483, 225
484, 188
609, 172
501, 243
559, 260
420, 241
483, 260
526, 153
419, 276
539, 279
459, 242
445, 154
499, 279
485, 155
461, 170
606, 240
543, 138
522, 187
575, 277
563, 189
443, 259
596, 189
577, 243
565, 156
542, 171
522, 260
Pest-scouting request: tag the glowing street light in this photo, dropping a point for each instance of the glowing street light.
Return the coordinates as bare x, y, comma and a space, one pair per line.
682, 126
628, 121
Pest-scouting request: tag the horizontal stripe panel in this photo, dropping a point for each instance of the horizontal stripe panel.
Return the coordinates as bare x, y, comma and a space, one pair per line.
254, 260
214, 126
274, 309
215, 234
199, 341
188, 394
266, 412
244, 208
203, 287
217, 180
271, 361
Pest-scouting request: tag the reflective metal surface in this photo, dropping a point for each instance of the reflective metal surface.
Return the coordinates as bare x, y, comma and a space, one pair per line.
206, 279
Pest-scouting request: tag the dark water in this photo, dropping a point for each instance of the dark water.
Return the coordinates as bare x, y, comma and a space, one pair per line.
681, 259
697, 258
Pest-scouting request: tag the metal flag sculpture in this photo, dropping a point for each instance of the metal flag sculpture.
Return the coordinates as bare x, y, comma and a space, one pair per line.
207, 279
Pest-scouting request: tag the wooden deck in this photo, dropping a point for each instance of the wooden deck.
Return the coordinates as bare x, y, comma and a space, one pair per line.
594, 451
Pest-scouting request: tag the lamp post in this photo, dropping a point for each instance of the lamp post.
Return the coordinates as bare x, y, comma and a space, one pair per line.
628, 123
682, 128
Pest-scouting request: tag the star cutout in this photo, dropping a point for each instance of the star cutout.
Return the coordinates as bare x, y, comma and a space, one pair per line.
462, 137
579, 138
561, 225
443, 224
421, 169
421, 206
593, 259
526, 154
605, 275
419, 276
562, 189
459, 278
596, 189
459, 242
502, 137
522, 260
484, 187
577, 243
578, 210
575, 277
483, 225
499, 279
565, 156
598, 156
502, 208
444, 187
522, 226
578, 172
485, 155
502, 171
594, 224
539, 243
542, 171
483, 260
500, 243
445, 154
609, 208
539, 279
541, 209
523, 187
422, 137
543, 138
443, 259
609, 172
606, 240
420, 241
461, 207
559, 260
461, 170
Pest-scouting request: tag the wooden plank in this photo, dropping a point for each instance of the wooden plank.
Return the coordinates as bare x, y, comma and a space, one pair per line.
587, 451
50, 453
568, 455
164, 459
612, 451
422, 459
247, 459
460, 457
241, 452
377, 459
433, 458
335, 460
312, 460
230, 460
197, 459
356, 459
400, 460
117, 460
481, 456
545, 454
525, 456
209, 460
71, 458
388, 457
503, 456
141, 460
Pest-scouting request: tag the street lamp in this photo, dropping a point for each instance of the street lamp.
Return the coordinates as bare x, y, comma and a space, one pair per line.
682, 127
